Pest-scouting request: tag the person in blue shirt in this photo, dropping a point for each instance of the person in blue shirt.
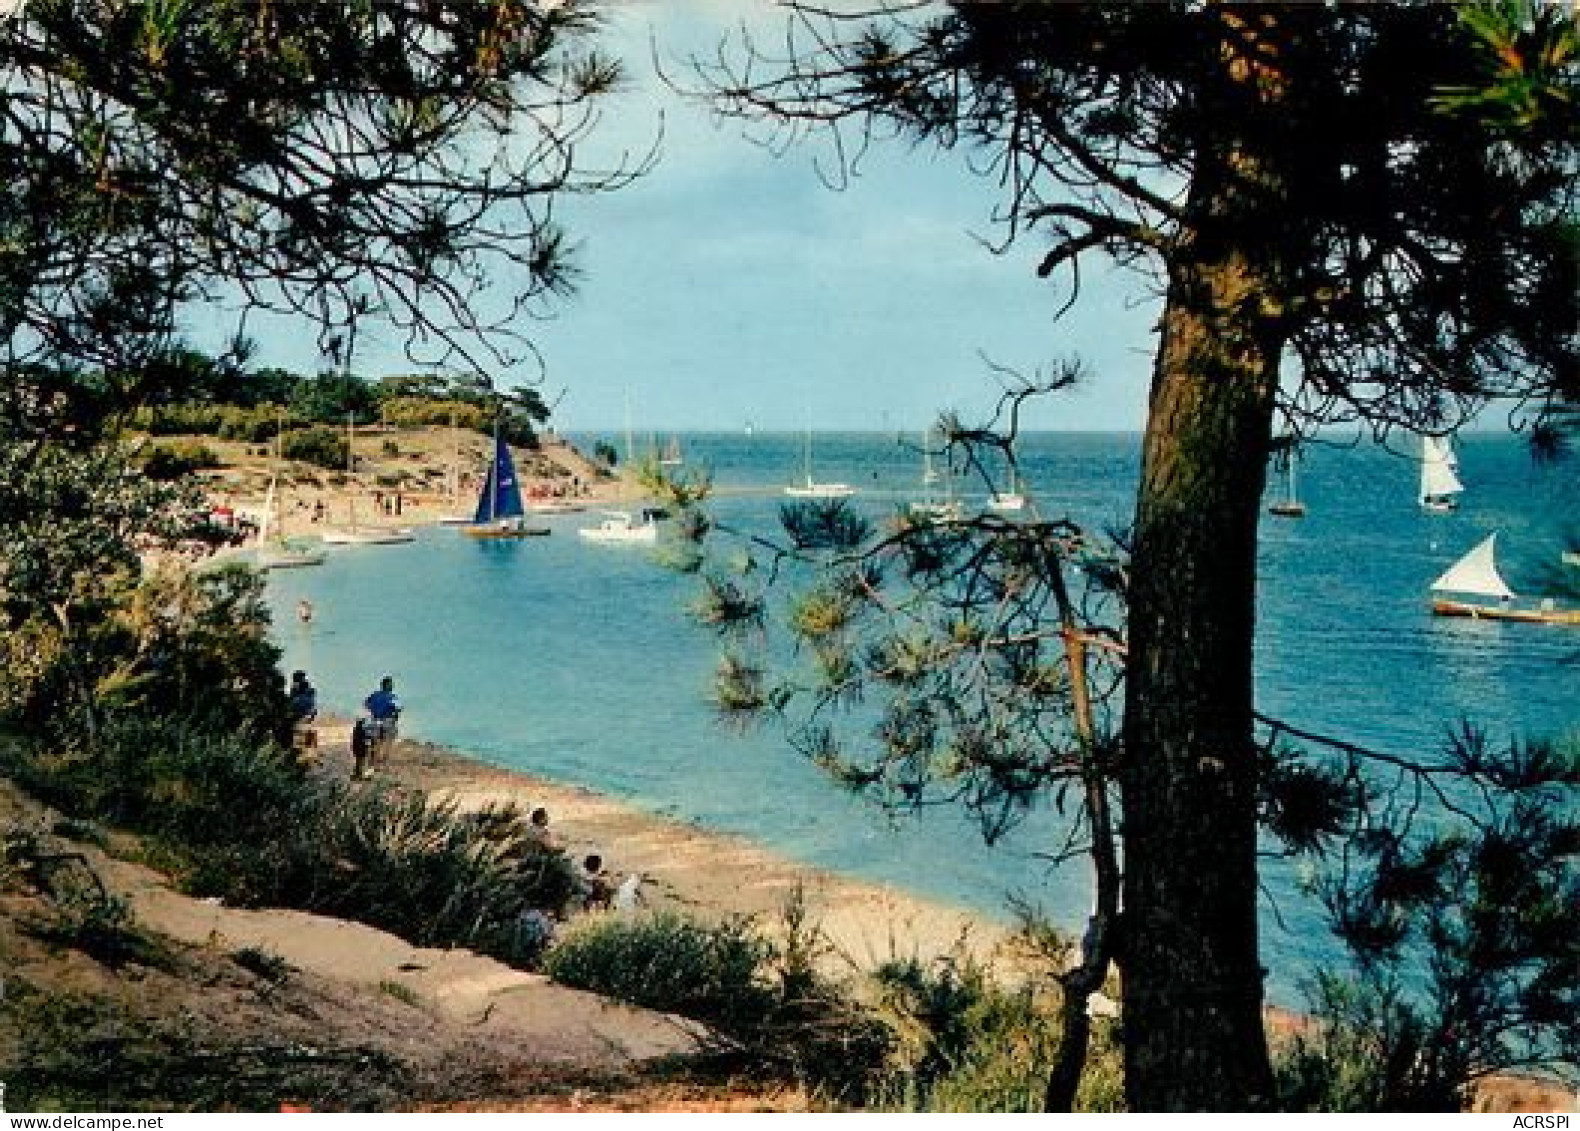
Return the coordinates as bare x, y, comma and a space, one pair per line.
383, 708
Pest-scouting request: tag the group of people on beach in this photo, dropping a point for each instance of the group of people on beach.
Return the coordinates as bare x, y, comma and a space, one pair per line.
374, 732
595, 887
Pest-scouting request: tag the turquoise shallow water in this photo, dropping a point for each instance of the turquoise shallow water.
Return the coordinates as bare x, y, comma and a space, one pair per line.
576, 661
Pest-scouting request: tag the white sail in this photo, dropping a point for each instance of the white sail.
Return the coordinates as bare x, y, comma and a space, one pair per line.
1438, 480
1476, 573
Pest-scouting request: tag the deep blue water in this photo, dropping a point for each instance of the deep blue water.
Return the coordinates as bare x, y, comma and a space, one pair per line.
576, 661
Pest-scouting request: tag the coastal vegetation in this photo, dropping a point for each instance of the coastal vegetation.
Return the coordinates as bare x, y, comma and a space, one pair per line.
332, 162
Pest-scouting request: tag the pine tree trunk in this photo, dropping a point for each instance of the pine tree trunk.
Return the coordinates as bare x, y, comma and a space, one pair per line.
1192, 977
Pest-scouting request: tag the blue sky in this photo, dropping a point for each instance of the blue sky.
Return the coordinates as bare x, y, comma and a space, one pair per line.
730, 286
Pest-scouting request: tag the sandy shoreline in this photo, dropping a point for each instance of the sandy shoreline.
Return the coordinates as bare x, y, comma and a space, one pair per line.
687, 867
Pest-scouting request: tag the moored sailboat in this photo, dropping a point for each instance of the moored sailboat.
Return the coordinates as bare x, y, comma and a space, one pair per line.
1472, 587
1440, 483
1290, 505
352, 534
810, 488
500, 513
275, 551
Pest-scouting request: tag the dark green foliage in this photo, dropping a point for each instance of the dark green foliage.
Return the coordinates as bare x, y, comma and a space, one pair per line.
189, 786
1463, 930
173, 461
321, 447
402, 862
714, 973
966, 1043
330, 398
237, 819
81, 1052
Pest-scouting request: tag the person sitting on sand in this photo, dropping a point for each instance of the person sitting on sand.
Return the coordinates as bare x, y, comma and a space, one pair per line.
538, 829
592, 884
628, 896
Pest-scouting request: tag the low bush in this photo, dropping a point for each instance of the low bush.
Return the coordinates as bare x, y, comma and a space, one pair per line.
321, 447
963, 1042
235, 818
172, 461
406, 864
714, 973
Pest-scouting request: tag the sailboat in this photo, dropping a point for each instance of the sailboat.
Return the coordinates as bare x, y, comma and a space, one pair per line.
499, 510
671, 456
1439, 476
810, 488
930, 506
1011, 500
456, 516
1474, 588
1290, 505
352, 534
274, 551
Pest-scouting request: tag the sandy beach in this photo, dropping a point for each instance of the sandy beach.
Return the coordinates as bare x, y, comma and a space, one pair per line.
697, 870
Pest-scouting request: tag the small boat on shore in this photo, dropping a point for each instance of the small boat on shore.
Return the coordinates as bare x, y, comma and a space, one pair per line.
499, 510
623, 526
555, 506
1472, 587
276, 551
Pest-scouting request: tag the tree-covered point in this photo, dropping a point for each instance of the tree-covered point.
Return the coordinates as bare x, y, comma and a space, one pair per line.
256, 406
327, 162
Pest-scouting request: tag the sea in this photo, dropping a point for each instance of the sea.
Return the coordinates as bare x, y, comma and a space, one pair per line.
578, 662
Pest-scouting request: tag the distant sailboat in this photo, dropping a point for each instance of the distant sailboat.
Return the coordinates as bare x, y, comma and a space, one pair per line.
931, 507
352, 534
1009, 501
1290, 505
672, 456
274, 550
1439, 475
456, 517
810, 488
499, 510
1474, 588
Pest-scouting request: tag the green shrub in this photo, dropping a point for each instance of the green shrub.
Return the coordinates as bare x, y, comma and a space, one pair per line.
401, 862
415, 412
175, 460
321, 447
256, 425
180, 419
962, 1041
715, 973
177, 782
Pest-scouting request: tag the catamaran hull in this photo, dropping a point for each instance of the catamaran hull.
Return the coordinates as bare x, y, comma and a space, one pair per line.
496, 533
1472, 611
